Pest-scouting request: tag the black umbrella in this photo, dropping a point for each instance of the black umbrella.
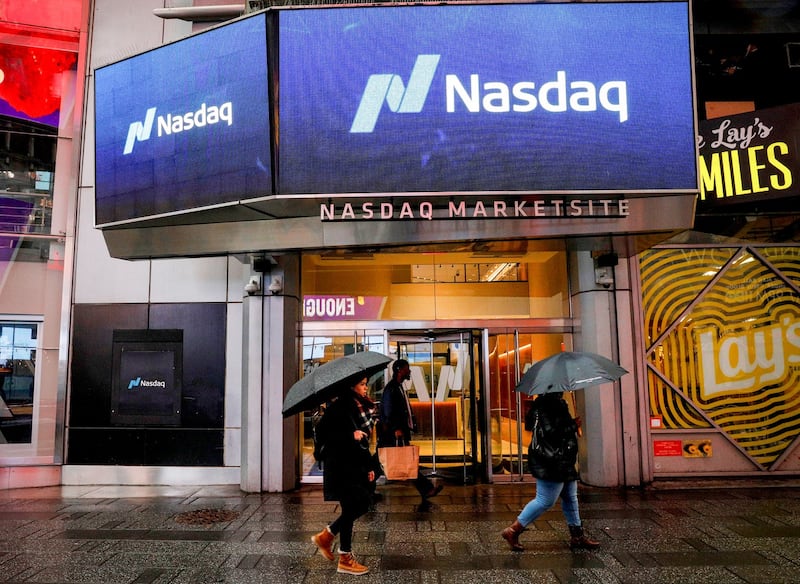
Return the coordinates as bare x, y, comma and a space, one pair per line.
568, 370
331, 379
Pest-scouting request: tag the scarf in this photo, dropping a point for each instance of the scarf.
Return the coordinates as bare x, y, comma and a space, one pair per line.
367, 411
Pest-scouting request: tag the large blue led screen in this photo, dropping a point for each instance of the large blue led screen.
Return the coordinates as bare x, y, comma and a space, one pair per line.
517, 97
185, 125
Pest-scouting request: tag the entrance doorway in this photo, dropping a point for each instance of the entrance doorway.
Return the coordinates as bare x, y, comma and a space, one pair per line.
470, 421
445, 396
509, 355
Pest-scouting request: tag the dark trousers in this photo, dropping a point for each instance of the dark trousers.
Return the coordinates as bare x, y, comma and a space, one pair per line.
353, 505
423, 484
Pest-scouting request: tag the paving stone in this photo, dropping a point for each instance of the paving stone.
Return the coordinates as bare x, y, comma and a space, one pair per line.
219, 534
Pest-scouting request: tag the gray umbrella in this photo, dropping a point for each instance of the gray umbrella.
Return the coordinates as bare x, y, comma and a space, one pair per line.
331, 379
568, 370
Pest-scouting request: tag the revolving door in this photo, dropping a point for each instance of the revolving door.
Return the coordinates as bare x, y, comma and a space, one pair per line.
444, 392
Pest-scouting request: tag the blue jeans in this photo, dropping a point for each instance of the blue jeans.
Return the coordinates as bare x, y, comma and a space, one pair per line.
546, 494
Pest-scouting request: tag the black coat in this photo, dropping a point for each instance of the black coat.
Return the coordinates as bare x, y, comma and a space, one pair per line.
346, 464
394, 415
561, 432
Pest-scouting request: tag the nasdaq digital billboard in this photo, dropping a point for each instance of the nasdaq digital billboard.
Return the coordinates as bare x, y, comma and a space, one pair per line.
185, 125
518, 97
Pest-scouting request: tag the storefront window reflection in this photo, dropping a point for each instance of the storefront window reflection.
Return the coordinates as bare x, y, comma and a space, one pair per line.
38, 60
17, 374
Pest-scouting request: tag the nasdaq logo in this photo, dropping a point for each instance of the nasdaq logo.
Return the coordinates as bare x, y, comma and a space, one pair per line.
140, 131
139, 382
205, 115
490, 97
389, 88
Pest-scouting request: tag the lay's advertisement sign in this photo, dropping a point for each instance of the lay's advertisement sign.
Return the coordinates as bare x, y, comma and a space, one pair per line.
750, 157
722, 333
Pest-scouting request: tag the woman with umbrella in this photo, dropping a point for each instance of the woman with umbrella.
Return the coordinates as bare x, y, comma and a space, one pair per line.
348, 470
554, 450
554, 469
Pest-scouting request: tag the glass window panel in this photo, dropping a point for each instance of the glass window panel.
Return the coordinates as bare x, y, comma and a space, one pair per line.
526, 282
27, 162
318, 350
314, 348
17, 376
507, 409
374, 343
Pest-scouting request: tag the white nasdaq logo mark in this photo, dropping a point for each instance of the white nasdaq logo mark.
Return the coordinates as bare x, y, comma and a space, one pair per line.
389, 88
176, 123
140, 131
205, 115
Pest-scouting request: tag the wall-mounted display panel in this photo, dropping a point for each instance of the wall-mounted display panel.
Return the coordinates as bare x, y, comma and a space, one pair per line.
147, 374
518, 97
750, 158
185, 125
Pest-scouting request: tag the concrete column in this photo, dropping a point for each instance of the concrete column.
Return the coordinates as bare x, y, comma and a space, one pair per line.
281, 367
269, 367
252, 365
633, 389
611, 447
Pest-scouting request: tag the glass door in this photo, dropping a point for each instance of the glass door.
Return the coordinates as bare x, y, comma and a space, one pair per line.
443, 392
510, 354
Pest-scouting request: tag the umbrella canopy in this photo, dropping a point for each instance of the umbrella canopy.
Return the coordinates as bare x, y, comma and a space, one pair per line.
568, 370
331, 379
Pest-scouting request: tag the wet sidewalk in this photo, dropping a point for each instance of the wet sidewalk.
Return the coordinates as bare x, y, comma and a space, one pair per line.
720, 534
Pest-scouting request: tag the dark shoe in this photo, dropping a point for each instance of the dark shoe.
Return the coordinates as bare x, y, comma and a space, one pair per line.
433, 492
511, 535
579, 540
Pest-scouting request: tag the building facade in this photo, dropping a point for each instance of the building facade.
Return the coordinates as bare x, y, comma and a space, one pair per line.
181, 327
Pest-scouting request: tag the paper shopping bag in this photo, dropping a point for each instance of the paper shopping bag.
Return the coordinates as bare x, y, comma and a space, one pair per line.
399, 462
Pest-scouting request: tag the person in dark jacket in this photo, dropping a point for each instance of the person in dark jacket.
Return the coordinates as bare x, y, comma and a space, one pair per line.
397, 422
554, 469
348, 471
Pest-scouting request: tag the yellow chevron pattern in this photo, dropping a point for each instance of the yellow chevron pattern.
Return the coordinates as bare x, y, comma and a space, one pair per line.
722, 329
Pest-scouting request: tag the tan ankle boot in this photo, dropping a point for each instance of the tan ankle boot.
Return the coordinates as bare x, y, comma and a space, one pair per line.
349, 565
324, 540
511, 535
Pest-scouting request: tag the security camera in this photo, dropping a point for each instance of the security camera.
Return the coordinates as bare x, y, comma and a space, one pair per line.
604, 277
253, 286
276, 286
